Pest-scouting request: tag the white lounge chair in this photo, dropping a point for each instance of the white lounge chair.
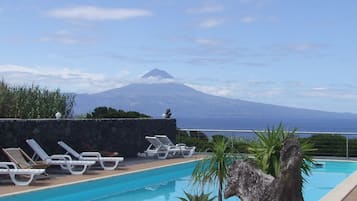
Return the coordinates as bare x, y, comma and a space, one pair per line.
27, 175
107, 163
159, 149
65, 161
185, 151
22, 160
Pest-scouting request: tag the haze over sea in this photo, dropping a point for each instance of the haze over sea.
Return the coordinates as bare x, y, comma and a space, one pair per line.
324, 125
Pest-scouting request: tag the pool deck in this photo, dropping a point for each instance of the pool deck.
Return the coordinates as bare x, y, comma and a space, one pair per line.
352, 196
346, 191
58, 177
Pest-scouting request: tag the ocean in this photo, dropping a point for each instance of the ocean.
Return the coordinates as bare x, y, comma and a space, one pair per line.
314, 125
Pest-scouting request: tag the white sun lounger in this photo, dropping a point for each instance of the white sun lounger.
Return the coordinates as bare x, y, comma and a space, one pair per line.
65, 161
10, 168
185, 151
159, 149
107, 163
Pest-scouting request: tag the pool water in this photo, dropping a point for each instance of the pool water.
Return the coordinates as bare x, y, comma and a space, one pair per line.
169, 183
323, 180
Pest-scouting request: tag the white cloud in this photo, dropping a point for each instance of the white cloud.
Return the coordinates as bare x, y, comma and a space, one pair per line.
301, 47
62, 39
258, 3
210, 23
225, 91
334, 93
206, 41
206, 9
247, 19
65, 37
97, 13
67, 79
155, 80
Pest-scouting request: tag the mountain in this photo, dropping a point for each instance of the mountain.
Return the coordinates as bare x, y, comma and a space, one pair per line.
184, 101
158, 74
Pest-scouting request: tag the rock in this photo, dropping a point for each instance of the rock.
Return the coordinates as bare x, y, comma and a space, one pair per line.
250, 183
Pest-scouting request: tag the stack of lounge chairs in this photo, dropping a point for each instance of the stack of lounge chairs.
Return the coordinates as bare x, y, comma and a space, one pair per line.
17, 175
64, 161
162, 147
107, 163
23, 169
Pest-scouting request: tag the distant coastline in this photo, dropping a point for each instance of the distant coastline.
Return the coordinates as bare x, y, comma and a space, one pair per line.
315, 124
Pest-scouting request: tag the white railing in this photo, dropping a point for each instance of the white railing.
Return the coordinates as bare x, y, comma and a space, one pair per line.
346, 144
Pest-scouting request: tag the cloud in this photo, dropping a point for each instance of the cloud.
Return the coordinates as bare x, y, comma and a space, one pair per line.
67, 79
97, 13
257, 3
208, 61
334, 93
206, 9
206, 41
65, 37
210, 23
300, 47
261, 83
247, 19
225, 91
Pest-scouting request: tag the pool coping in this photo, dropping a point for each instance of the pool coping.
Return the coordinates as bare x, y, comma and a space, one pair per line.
344, 188
187, 160
339, 193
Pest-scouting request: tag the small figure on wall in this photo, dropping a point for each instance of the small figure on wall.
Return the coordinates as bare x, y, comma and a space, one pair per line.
167, 113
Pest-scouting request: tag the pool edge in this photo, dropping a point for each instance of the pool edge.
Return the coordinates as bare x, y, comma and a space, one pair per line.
342, 190
99, 178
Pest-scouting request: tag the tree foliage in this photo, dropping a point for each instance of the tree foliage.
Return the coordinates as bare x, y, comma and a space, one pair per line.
266, 150
33, 102
197, 197
214, 169
108, 112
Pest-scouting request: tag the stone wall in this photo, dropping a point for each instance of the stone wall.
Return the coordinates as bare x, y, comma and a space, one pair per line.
125, 136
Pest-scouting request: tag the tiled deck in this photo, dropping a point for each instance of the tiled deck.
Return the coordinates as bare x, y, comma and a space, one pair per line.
130, 165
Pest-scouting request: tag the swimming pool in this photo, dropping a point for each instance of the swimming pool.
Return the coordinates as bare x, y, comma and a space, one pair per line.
168, 183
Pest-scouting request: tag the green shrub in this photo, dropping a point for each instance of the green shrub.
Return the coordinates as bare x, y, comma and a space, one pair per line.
33, 102
108, 112
352, 145
328, 144
194, 138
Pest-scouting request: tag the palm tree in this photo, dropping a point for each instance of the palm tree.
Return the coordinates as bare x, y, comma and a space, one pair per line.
214, 169
267, 150
201, 197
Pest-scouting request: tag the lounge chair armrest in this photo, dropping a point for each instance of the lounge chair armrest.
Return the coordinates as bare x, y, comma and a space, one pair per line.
91, 154
61, 157
8, 165
180, 144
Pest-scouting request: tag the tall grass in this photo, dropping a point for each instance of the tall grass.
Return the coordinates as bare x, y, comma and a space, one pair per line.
33, 102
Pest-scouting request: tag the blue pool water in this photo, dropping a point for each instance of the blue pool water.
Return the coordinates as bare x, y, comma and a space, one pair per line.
168, 183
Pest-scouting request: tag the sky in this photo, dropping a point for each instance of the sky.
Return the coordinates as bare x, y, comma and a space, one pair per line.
284, 52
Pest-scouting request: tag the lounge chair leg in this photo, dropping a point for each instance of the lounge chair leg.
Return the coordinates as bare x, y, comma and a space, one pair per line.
77, 172
162, 157
21, 183
106, 167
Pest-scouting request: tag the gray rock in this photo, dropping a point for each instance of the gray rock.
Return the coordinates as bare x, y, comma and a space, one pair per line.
250, 183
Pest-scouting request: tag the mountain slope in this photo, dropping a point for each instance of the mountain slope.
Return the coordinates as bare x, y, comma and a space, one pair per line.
184, 101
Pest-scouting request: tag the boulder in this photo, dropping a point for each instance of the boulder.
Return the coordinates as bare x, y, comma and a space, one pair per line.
250, 183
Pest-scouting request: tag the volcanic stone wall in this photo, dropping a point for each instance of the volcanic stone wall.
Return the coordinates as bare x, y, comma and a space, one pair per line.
125, 136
